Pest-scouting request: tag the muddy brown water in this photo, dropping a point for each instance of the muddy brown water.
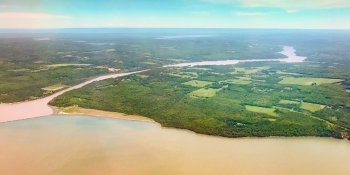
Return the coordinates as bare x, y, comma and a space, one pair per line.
72, 145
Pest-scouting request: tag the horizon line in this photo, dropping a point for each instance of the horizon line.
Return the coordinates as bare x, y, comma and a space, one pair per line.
262, 28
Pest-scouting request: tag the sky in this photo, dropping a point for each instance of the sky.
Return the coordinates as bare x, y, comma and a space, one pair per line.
301, 14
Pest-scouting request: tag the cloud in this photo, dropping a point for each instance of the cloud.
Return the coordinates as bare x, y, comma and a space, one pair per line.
251, 14
293, 4
292, 11
31, 20
4, 7
29, 16
201, 13
287, 4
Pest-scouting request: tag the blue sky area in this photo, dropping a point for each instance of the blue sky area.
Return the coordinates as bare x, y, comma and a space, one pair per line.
302, 14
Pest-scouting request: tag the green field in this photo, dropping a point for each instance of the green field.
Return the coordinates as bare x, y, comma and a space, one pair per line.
287, 73
288, 102
54, 87
242, 70
65, 65
240, 80
306, 81
312, 106
197, 83
204, 93
262, 110
177, 74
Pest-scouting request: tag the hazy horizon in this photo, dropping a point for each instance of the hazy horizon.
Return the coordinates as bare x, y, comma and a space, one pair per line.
267, 14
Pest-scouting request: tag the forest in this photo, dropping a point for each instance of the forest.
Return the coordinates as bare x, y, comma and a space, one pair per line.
247, 99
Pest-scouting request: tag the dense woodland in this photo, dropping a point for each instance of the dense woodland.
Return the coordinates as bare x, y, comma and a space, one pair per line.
166, 96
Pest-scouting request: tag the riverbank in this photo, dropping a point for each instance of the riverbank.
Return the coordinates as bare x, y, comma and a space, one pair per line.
79, 111
75, 110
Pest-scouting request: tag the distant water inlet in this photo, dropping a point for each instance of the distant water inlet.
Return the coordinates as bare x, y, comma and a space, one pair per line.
288, 51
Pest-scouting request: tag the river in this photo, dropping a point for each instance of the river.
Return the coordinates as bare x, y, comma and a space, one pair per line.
56, 145
287, 51
40, 107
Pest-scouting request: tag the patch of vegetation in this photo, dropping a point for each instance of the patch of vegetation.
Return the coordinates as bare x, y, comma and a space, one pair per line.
240, 80
288, 73
197, 83
311, 106
262, 110
65, 65
54, 87
183, 74
306, 81
20, 86
204, 93
288, 102
243, 70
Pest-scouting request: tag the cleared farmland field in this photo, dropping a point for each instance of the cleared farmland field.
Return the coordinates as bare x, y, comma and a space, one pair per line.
306, 81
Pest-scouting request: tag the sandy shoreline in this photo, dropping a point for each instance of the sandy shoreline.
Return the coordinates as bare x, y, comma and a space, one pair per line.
75, 110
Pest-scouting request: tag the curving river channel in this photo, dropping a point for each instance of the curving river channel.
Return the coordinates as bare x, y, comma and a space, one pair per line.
40, 107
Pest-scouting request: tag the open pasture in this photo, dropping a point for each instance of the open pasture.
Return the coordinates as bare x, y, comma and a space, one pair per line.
307, 81
197, 83
262, 110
